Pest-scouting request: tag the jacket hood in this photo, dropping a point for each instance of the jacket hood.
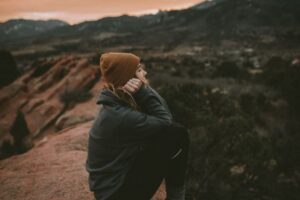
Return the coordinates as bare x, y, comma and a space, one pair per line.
107, 97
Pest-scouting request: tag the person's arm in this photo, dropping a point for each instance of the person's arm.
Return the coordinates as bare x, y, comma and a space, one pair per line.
154, 121
163, 101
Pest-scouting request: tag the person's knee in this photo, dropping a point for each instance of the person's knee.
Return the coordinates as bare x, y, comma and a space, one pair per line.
177, 137
180, 135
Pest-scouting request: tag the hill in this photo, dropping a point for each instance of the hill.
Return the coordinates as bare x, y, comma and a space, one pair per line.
22, 28
268, 23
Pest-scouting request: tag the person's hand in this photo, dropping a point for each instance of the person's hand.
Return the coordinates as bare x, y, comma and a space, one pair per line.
133, 85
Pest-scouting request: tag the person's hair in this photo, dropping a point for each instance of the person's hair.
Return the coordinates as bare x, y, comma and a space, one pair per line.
124, 96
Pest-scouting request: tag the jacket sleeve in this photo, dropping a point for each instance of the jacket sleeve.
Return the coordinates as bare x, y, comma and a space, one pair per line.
155, 120
162, 100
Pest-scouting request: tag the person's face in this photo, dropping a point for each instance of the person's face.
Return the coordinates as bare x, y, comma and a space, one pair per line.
141, 73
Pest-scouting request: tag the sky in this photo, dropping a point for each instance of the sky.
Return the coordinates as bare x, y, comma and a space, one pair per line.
75, 11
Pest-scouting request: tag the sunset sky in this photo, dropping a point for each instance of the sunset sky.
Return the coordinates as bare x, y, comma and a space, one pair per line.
74, 11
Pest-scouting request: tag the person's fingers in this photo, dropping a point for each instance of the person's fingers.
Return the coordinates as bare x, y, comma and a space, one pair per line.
133, 85
139, 82
136, 81
129, 88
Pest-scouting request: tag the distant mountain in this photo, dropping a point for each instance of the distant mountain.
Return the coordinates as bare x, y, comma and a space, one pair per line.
215, 20
242, 19
119, 24
255, 20
20, 28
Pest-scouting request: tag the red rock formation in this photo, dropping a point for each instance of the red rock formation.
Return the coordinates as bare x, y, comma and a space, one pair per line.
36, 94
52, 170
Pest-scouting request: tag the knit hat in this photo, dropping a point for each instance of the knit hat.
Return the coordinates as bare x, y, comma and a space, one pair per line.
118, 68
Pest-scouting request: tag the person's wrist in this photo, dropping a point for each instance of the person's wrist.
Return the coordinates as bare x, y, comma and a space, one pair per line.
140, 92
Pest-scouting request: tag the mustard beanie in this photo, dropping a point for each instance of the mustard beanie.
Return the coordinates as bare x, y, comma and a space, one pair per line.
118, 68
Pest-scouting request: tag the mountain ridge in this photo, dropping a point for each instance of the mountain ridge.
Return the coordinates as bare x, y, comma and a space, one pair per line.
258, 22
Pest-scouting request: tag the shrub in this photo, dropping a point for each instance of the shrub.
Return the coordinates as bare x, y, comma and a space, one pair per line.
228, 158
8, 68
229, 69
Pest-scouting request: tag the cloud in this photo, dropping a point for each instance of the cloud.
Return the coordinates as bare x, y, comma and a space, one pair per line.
75, 11
43, 15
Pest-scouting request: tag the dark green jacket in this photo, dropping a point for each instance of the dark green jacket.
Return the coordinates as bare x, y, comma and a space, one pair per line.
118, 134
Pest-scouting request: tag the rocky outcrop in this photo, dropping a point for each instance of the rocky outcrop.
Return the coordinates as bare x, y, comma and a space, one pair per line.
80, 113
37, 96
53, 170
